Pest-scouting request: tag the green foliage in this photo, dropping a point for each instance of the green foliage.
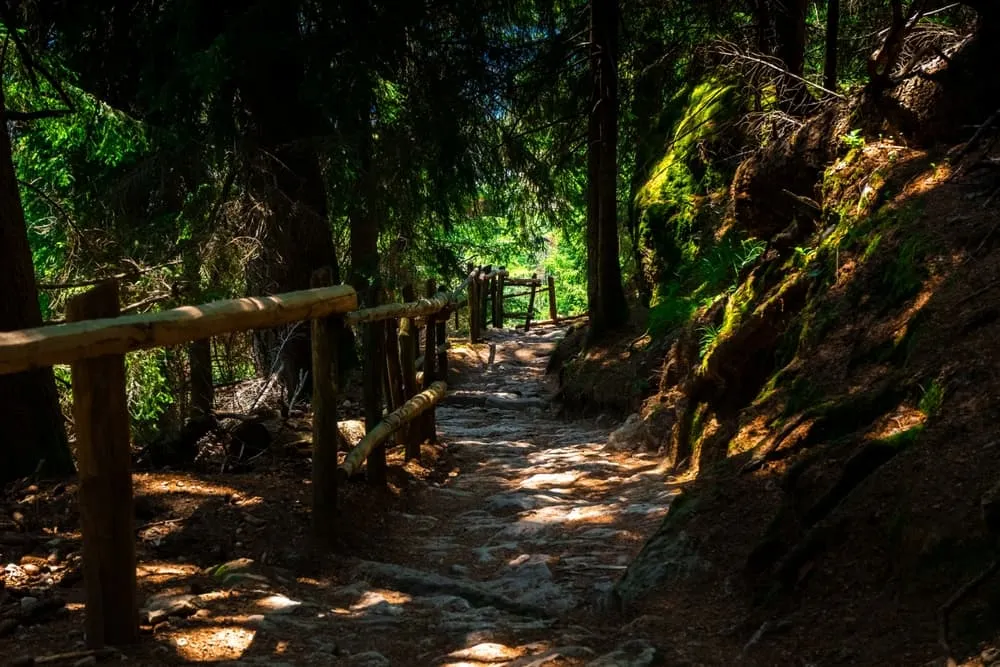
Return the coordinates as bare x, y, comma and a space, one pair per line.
708, 336
903, 439
674, 204
149, 390
700, 283
906, 272
932, 399
853, 139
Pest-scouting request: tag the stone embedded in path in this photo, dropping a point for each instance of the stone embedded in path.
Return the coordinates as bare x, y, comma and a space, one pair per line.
634, 653
486, 652
369, 659
546, 480
418, 582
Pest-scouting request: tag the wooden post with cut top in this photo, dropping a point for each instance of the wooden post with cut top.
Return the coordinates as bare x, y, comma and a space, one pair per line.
393, 367
553, 312
500, 296
484, 312
326, 436
531, 302
101, 420
430, 363
442, 340
409, 341
475, 334
374, 360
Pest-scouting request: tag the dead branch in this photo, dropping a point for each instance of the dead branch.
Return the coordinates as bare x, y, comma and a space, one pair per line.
730, 50
124, 275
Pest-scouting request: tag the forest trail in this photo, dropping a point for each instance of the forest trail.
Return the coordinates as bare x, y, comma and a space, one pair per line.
501, 552
505, 559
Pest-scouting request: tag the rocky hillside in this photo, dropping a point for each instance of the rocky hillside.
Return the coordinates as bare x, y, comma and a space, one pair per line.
825, 324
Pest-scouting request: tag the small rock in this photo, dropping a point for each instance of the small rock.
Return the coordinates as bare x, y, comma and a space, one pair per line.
83, 662
31, 569
160, 607
634, 653
631, 436
460, 570
384, 608
279, 604
28, 603
369, 659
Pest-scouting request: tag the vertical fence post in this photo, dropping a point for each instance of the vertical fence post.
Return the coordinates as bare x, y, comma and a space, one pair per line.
531, 302
374, 361
393, 370
495, 298
430, 359
324, 405
442, 340
100, 413
484, 311
500, 296
553, 312
409, 340
474, 321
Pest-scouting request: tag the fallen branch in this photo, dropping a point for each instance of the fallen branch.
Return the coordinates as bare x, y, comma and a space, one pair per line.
734, 52
125, 275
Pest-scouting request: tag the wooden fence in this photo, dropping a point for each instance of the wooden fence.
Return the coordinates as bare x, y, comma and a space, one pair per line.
488, 292
95, 339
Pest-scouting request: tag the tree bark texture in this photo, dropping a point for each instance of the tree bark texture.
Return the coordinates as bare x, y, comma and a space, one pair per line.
29, 404
606, 296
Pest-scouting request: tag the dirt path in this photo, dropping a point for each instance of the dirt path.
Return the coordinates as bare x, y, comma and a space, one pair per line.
502, 558
507, 559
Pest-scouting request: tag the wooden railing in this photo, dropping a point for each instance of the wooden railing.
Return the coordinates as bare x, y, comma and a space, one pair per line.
95, 339
488, 292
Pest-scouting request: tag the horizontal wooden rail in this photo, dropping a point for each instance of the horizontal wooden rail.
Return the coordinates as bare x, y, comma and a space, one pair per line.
74, 341
523, 282
391, 311
571, 318
407, 412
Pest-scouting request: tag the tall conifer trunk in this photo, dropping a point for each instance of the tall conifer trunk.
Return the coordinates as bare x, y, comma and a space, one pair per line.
29, 406
605, 293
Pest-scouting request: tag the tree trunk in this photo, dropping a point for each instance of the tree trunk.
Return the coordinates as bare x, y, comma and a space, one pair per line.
790, 48
29, 405
287, 178
832, 33
606, 295
365, 269
593, 179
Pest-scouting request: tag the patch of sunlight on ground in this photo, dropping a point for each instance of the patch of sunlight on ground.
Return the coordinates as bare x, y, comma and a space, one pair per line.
212, 644
161, 572
486, 653
160, 484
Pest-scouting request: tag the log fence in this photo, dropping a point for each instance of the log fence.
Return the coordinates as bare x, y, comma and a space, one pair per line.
95, 339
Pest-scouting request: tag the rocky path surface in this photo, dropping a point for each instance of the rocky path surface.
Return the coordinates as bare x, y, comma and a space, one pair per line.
503, 561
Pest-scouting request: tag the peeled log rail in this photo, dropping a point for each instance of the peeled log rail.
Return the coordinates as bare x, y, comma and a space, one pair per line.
397, 310
561, 320
65, 343
524, 282
409, 411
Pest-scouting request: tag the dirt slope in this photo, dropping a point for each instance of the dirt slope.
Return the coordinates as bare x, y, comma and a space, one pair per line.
831, 418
